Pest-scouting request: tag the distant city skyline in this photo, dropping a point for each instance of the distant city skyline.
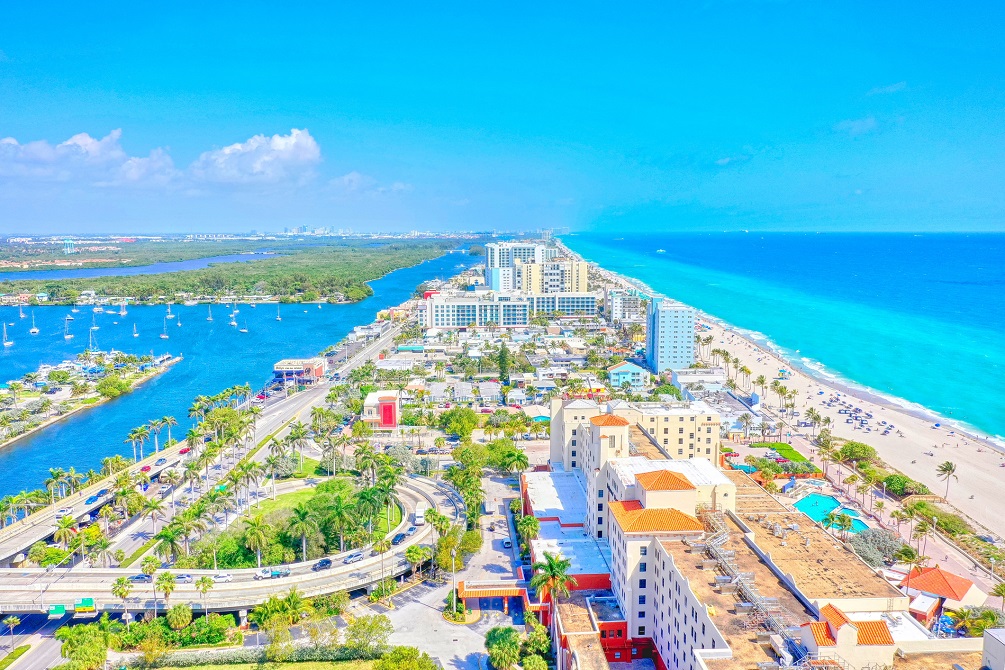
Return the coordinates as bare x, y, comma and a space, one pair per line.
231, 117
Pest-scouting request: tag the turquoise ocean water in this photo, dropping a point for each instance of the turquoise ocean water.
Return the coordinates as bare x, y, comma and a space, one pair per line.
919, 318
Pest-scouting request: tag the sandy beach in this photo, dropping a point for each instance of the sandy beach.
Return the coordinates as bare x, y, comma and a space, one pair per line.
979, 463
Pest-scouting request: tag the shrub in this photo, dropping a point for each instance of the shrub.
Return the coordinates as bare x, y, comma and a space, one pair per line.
383, 589
179, 616
902, 485
950, 524
503, 646
876, 545
331, 605
534, 662
405, 658
856, 451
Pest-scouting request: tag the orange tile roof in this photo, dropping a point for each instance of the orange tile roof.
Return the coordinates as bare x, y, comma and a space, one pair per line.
634, 518
499, 591
821, 633
873, 632
938, 581
608, 420
664, 480
834, 616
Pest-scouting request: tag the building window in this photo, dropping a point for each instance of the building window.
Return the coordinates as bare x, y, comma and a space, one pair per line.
642, 601
573, 443
600, 521
574, 464
600, 507
642, 567
642, 584
642, 633
643, 551
600, 493
642, 613
573, 453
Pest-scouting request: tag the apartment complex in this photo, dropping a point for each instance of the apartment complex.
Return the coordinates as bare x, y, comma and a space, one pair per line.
669, 335
460, 309
622, 305
532, 268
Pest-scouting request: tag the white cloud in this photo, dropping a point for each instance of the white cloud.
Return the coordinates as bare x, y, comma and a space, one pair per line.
890, 88
356, 183
82, 157
260, 159
856, 127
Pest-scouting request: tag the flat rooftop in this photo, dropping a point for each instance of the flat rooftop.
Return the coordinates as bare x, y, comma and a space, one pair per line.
969, 660
587, 555
679, 408
699, 471
751, 498
575, 613
606, 609
644, 446
556, 495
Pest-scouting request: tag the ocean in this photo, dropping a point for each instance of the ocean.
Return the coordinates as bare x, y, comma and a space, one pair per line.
215, 356
919, 318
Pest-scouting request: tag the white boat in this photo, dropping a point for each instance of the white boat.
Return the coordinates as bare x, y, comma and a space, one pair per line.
190, 303
34, 329
68, 317
210, 317
169, 315
67, 335
94, 326
236, 310
98, 309
135, 334
178, 322
253, 305
6, 342
74, 310
122, 309
245, 329
661, 251
20, 310
232, 323
278, 316
164, 335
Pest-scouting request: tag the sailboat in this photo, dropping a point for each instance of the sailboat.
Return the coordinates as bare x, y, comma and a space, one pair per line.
169, 315
164, 335
253, 305
232, 322
122, 309
178, 322
94, 326
6, 342
98, 309
67, 335
236, 310
74, 310
210, 317
34, 329
245, 329
135, 334
20, 310
278, 316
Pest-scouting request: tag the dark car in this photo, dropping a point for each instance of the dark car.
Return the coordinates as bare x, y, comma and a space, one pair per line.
323, 564
91, 500
102, 492
398, 539
160, 461
141, 579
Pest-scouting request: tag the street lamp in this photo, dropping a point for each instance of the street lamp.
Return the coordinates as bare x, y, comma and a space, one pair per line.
992, 568
453, 581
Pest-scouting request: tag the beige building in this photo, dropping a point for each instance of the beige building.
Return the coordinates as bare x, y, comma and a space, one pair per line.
559, 275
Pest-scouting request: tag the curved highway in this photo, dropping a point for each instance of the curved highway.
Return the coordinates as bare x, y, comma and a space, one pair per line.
36, 589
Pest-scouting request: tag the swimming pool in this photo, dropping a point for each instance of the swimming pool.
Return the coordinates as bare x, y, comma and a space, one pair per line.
745, 468
817, 506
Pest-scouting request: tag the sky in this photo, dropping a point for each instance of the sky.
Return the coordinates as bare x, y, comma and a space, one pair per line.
220, 116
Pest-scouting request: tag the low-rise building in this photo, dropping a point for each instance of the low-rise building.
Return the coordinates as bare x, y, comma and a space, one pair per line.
626, 372
382, 409
300, 370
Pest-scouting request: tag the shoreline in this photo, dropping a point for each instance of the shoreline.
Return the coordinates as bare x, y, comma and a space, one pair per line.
81, 407
822, 375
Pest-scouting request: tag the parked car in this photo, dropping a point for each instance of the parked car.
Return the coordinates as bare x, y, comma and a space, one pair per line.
141, 579
184, 579
398, 539
986, 538
507, 544
272, 573
160, 461
354, 557
224, 577
164, 489
323, 564
485, 410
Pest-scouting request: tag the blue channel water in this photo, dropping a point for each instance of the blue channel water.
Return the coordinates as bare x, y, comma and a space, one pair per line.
130, 271
913, 317
215, 356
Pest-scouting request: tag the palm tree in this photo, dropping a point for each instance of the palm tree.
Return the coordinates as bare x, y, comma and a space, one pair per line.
746, 420
165, 584
382, 546
168, 422
170, 540
149, 566
12, 622
121, 589
65, 531
552, 576
298, 439
915, 562
256, 535
945, 472
528, 527
203, 585
272, 465
141, 434
416, 555
342, 516
302, 523
172, 478
153, 509
101, 551
154, 426
999, 591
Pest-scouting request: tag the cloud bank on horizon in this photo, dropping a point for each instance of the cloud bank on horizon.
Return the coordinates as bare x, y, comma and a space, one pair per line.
771, 116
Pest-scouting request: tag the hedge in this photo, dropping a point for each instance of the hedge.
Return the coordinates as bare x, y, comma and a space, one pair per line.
7, 660
254, 655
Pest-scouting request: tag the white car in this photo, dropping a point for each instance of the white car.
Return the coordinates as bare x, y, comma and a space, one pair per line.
164, 489
223, 577
63, 511
411, 530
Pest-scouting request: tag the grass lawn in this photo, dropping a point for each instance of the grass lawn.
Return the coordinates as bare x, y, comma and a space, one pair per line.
9, 659
380, 524
310, 665
283, 500
784, 450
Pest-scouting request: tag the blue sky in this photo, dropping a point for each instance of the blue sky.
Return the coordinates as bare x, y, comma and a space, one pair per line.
730, 115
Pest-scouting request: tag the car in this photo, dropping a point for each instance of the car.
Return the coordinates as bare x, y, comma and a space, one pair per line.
261, 396
272, 573
145, 468
164, 489
323, 564
91, 500
184, 450
485, 410
141, 579
507, 544
184, 579
224, 577
63, 511
102, 493
398, 539
986, 538
421, 452
354, 557
412, 530
161, 461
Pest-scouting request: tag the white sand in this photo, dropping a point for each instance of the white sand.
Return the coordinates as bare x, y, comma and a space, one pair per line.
978, 462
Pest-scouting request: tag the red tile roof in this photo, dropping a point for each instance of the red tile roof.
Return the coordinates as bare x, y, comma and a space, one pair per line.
608, 420
634, 518
938, 581
833, 620
873, 632
834, 616
664, 480
821, 633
